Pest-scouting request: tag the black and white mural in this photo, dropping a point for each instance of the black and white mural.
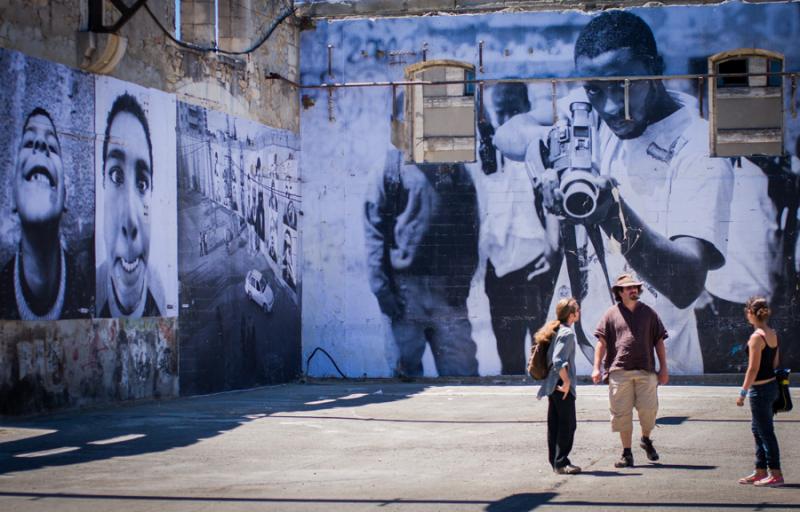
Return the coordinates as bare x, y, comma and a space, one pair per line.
47, 193
50, 145
136, 221
237, 204
95, 170
448, 268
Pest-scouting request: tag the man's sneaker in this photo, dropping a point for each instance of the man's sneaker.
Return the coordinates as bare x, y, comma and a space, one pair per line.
569, 469
625, 461
752, 478
647, 445
769, 481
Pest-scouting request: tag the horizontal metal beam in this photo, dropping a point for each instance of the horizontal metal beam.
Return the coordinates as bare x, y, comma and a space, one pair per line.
326, 9
340, 85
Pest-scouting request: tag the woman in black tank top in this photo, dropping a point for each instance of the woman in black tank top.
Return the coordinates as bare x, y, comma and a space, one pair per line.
760, 385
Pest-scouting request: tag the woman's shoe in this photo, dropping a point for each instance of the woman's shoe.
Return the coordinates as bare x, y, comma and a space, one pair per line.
752, 478
569, 469
770, 481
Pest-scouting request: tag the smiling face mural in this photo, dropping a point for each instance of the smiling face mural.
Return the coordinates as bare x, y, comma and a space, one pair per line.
46, 229
136, 246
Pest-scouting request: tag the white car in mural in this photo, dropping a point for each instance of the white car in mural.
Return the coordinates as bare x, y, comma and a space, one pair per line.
256, 287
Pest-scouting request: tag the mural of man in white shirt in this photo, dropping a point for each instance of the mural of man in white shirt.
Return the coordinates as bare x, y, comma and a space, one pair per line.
669, 223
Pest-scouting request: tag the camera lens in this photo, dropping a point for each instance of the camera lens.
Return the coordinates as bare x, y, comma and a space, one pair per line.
580, 194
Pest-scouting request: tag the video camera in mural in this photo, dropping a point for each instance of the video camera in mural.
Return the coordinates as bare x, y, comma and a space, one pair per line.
569, 154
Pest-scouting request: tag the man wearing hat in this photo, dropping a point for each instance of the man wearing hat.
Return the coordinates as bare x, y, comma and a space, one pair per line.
628, 334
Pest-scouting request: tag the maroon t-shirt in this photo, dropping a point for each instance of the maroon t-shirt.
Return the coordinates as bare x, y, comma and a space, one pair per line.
631, 337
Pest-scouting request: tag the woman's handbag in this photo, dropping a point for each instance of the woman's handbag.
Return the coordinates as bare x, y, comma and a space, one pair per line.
784, 401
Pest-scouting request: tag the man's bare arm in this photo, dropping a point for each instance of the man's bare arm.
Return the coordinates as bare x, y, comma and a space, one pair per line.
514, 136
599, 354
658, 259
663, 371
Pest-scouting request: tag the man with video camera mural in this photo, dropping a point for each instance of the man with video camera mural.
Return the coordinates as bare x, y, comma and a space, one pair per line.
636, 192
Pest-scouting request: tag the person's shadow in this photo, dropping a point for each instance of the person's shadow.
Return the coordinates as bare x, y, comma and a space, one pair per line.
521, 502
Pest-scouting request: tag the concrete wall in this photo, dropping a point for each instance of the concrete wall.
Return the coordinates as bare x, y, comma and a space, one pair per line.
201, 329
381, 299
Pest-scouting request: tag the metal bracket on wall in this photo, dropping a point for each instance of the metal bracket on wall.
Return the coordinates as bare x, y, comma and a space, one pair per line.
100, 53
700, 95
480, 56
96, 15
331, 117
627, 84
394, 102
330, 60
482, 115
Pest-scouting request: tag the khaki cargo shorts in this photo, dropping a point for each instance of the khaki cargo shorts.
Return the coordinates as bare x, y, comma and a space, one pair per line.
628, 389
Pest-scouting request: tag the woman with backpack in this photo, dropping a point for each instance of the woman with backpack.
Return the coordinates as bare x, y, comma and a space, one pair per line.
559, 386
762, 388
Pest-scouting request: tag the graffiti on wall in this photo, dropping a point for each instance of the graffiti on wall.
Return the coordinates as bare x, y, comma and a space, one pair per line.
684, 222
240, 316
73, 363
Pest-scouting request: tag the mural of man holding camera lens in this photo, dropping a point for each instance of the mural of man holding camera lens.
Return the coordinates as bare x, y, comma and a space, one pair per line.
662, 204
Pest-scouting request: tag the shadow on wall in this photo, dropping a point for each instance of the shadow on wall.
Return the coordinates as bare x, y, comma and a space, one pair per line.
152, 428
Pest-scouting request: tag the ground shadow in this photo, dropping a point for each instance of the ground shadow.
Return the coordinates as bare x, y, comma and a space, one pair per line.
696, 467
671, 420
601, 473
520, 502
77, 437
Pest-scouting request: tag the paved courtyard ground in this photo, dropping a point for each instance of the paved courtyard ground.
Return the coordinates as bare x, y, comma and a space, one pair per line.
382, 445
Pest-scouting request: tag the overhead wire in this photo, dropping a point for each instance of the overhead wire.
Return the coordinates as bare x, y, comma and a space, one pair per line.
287, 11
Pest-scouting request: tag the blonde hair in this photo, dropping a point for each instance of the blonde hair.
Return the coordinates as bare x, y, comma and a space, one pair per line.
564, 308
758, 307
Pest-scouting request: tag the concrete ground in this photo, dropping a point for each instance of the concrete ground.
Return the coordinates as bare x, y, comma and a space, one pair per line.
382, 445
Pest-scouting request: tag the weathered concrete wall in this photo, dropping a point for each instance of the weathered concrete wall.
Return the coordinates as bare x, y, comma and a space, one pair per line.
235, 84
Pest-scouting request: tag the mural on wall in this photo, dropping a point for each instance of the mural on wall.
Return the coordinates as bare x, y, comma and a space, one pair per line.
47, 252
136, 221
703, 233
240, 314
46, 201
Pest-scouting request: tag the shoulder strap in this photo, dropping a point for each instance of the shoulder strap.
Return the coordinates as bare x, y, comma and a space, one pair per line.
576, 264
